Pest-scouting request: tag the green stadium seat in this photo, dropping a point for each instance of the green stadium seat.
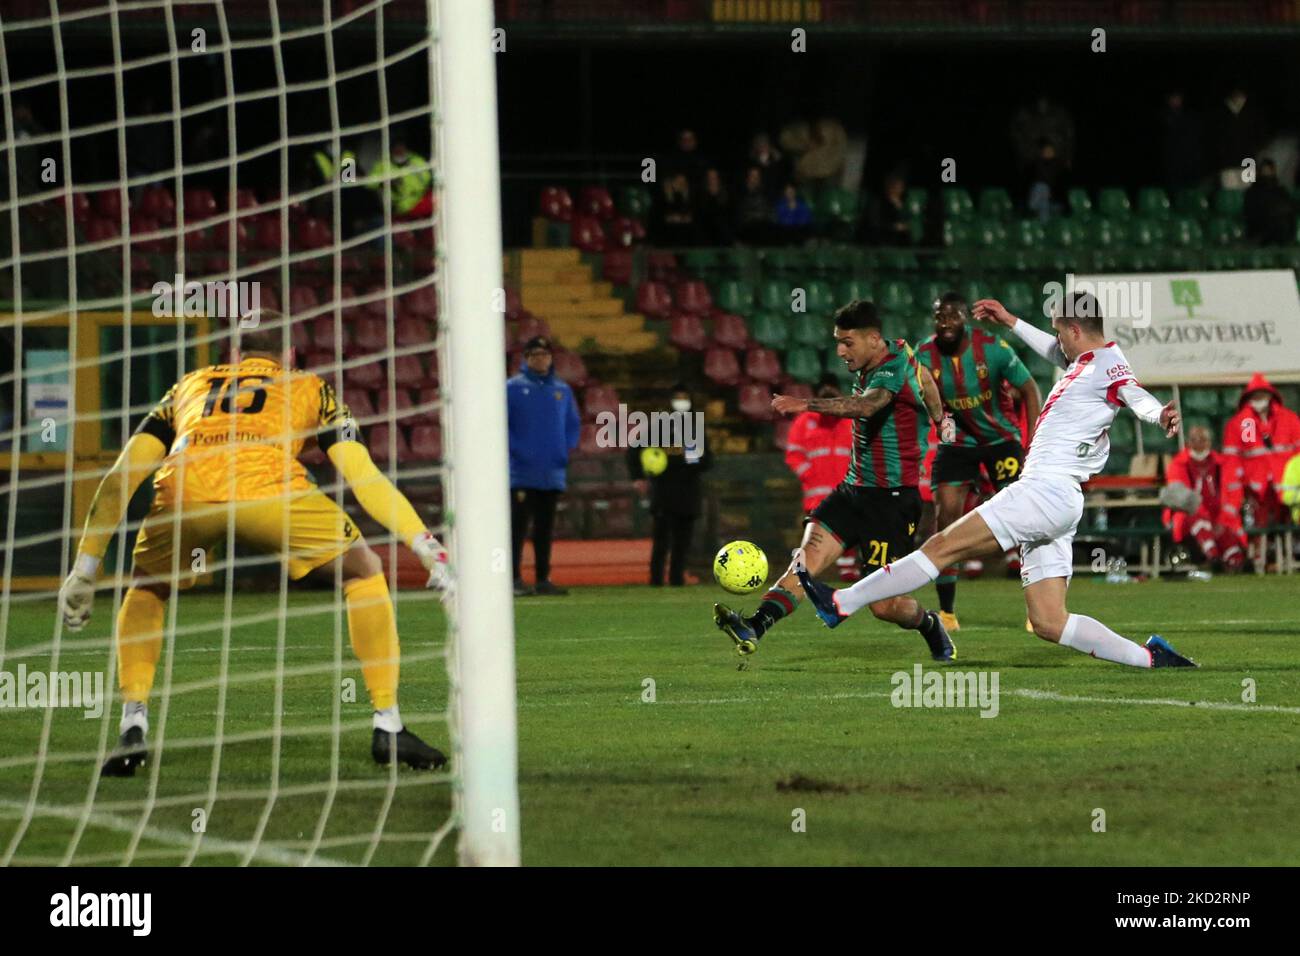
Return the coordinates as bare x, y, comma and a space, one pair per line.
1230, 202
898, 260
808, 331
736, 296
1223, 231
1182, 260
972, 290
1203, 401
821, 298
926, 291
1028, 233
634, 201
995, 203
774, 295
957, 234
832, 261
916, 229
1105, 232
1148, 232
1123, 436
896, 297
1080, 203
835, 366
1153, 202
957, 203
990, 234
1192, 202
803, 365
1065, 233
1219, 259
783, 263
1019, 298
702, 263
1113, 202
1185, 232
851, 289
770, 329
915, 200
837, 206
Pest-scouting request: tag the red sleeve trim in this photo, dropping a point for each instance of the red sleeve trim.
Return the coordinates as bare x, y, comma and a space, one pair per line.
1112, 393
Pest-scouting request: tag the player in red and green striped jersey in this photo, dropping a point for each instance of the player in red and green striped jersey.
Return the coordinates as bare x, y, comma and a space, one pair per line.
877, 506
970, 366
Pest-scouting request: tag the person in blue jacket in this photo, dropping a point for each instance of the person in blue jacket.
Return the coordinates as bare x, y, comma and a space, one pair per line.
544, 426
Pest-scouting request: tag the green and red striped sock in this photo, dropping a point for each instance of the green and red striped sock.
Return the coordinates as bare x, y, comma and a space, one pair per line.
776, 604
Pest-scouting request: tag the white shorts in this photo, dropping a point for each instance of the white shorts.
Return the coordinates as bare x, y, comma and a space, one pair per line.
1040, 515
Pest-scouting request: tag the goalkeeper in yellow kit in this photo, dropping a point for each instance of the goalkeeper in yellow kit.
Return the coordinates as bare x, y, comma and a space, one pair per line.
223, 446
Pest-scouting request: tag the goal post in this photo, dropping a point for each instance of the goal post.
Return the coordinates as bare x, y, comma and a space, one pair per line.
465, 131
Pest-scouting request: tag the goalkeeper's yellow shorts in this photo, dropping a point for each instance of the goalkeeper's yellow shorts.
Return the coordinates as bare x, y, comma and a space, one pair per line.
306, 529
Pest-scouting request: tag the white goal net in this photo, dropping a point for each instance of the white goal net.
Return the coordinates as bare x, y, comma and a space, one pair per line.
171, 172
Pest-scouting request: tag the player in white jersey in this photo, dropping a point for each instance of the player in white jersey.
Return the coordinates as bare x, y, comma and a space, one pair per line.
1041, 511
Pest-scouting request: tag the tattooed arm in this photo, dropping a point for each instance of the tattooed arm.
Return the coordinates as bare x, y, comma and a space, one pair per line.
930, 396
848, 406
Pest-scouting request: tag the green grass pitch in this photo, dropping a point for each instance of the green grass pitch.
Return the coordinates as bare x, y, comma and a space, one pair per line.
725, 761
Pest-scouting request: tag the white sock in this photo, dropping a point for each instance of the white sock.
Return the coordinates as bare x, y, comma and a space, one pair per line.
134, 714
1089, 636
902, 577
388, 720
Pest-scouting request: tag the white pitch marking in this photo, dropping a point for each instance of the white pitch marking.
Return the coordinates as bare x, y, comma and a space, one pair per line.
1152, 702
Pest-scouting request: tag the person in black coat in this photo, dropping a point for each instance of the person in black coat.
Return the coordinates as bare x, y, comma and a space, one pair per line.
674, 498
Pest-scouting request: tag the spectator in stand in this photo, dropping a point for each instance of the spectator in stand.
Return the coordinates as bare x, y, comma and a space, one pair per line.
1257, 444
822, 164
1197, 504
793, 215
544, 427
1043, 120
1181, 140
674, 499
1270, 210
818, 449
715, 216
887, 222
754, 210
1047, 182
676, 212
688, 159
1237, 132
410, 178
769, 161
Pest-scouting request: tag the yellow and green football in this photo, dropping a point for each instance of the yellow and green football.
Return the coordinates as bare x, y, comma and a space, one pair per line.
740, 567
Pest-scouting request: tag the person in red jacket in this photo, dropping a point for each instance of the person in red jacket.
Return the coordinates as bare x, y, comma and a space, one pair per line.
1257, 443
1215, 527
818, 448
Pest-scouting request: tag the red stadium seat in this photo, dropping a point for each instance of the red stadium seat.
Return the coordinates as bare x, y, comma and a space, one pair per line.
244, 199
587, 443
377, 442
97, 230
322, 333
269, 235
312, 233
408, 371
662, 266
617, 266
107, 204
529, 326
721, 366
763, 365
400, 406
654, 299
300, 336
597, 399
693, 296
221, 235
687, 332
369, 335
514, 303
729, 331
586, 234
755, 401
315, 360
570, 367
421, 303
427, 397
365, 375
199, 204
412, 331
81, 210
377, 306
795, 389
596, 201
157, 201
358, 402
302, 299
556, 204
426, 442
143, 225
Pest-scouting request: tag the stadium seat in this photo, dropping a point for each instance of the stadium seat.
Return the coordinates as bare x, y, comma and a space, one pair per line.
1153, 203
1192, 202
957, 234
915, 200
990, 234
693, 296
1230, 202
427, 397
653, 299
400, 405
661, 266
771, 329
99, 230
754, 399
1147, 233
957, 203
322, 333
421, 303
803, 364
1224, 231
268, 233
412, 331
763, 365
200, 204
588, 443
634, 201
364, 375
1113, 202
302, 299
426, 442
571, 368
587, 235
995, 203
556, 204
736, 296
781, 432
369, 336
623, 232
820, 298
852, 289
616, 266
409, 372
529, 327
1019, 298
596, 201
1080, 203
221, 236
686, 331
597, 399
157, 202
729, 331
378, 443
896, 297
358, 402
1028, 233
720, 366
1065, 233
926, 292
810, 330
107, 204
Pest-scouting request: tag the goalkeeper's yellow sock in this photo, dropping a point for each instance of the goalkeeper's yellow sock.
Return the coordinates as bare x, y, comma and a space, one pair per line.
373, 631
139, 642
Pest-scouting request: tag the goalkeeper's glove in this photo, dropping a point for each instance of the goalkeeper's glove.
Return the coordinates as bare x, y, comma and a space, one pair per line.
77, 596
434, 557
